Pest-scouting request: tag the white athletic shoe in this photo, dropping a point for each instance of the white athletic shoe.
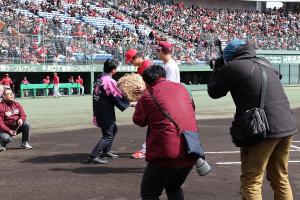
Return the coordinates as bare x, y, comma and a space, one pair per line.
26, 145
2, 148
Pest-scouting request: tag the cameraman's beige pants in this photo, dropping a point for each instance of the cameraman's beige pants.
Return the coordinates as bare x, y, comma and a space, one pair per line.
270, 155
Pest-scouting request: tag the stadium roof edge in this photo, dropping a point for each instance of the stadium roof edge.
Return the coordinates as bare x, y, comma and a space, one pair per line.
268, 0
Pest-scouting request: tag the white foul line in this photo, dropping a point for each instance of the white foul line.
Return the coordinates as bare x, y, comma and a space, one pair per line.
295, 150
295, 147
296, 141
238, 163
228, 163
229, 152
221, 152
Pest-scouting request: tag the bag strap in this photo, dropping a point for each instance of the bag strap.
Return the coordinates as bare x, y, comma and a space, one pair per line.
164, 112
263, 87
268, 65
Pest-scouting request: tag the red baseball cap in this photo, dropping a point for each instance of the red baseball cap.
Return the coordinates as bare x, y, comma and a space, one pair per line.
166, 47
130, 54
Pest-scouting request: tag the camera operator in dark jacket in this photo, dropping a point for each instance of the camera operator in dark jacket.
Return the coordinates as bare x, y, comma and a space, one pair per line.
242, 77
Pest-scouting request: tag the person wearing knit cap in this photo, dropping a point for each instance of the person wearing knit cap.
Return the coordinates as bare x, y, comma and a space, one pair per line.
243, 75
231, 49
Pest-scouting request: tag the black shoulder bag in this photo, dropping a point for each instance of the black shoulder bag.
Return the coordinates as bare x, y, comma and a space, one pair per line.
252, 126
262, 62
191, 138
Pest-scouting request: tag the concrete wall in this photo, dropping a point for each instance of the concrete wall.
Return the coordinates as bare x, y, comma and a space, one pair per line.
292, 6
243, 5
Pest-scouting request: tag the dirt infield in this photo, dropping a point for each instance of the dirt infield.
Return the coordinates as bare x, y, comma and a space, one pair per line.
56, 169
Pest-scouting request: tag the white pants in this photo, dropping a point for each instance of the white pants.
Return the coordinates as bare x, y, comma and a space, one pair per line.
143, 150
56, 91
82, 89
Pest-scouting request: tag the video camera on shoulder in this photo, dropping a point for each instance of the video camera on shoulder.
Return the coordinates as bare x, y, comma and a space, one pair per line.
217, 63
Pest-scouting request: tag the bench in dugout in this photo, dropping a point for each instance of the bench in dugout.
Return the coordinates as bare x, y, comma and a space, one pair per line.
45, 87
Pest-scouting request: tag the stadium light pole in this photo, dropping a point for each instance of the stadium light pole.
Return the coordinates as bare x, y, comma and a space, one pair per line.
298, 73
44, 44
85, 50
19, 35
20, 57
92, 50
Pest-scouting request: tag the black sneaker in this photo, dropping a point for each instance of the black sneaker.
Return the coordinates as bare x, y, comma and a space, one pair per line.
110, 155
97, 160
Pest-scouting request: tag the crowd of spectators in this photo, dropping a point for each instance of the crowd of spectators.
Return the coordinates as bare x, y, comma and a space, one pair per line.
64, 38
269, 29
32, 37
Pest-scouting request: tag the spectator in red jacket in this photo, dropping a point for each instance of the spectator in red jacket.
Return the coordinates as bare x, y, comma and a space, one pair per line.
6, 81
12, 121
168, 162
80, 81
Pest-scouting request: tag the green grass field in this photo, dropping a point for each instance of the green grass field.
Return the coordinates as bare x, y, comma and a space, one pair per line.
75, 112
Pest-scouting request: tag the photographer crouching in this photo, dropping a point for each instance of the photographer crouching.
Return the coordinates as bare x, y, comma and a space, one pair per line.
263, 125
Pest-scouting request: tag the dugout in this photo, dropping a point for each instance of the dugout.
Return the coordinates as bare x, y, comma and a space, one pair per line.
37, 77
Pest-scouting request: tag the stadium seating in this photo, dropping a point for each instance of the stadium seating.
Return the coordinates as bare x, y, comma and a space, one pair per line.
79, 30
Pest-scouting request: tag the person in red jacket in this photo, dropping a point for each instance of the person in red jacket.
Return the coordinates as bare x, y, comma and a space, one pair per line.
6, 81
80, 81
136, 59
46, 80
25, 82
12, 121
168, 161
56, 85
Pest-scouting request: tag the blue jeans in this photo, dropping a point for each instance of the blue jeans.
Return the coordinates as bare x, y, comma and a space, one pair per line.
156, 179
105, 143
5, 138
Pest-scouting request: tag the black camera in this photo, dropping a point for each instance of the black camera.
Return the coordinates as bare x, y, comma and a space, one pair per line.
217, 63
